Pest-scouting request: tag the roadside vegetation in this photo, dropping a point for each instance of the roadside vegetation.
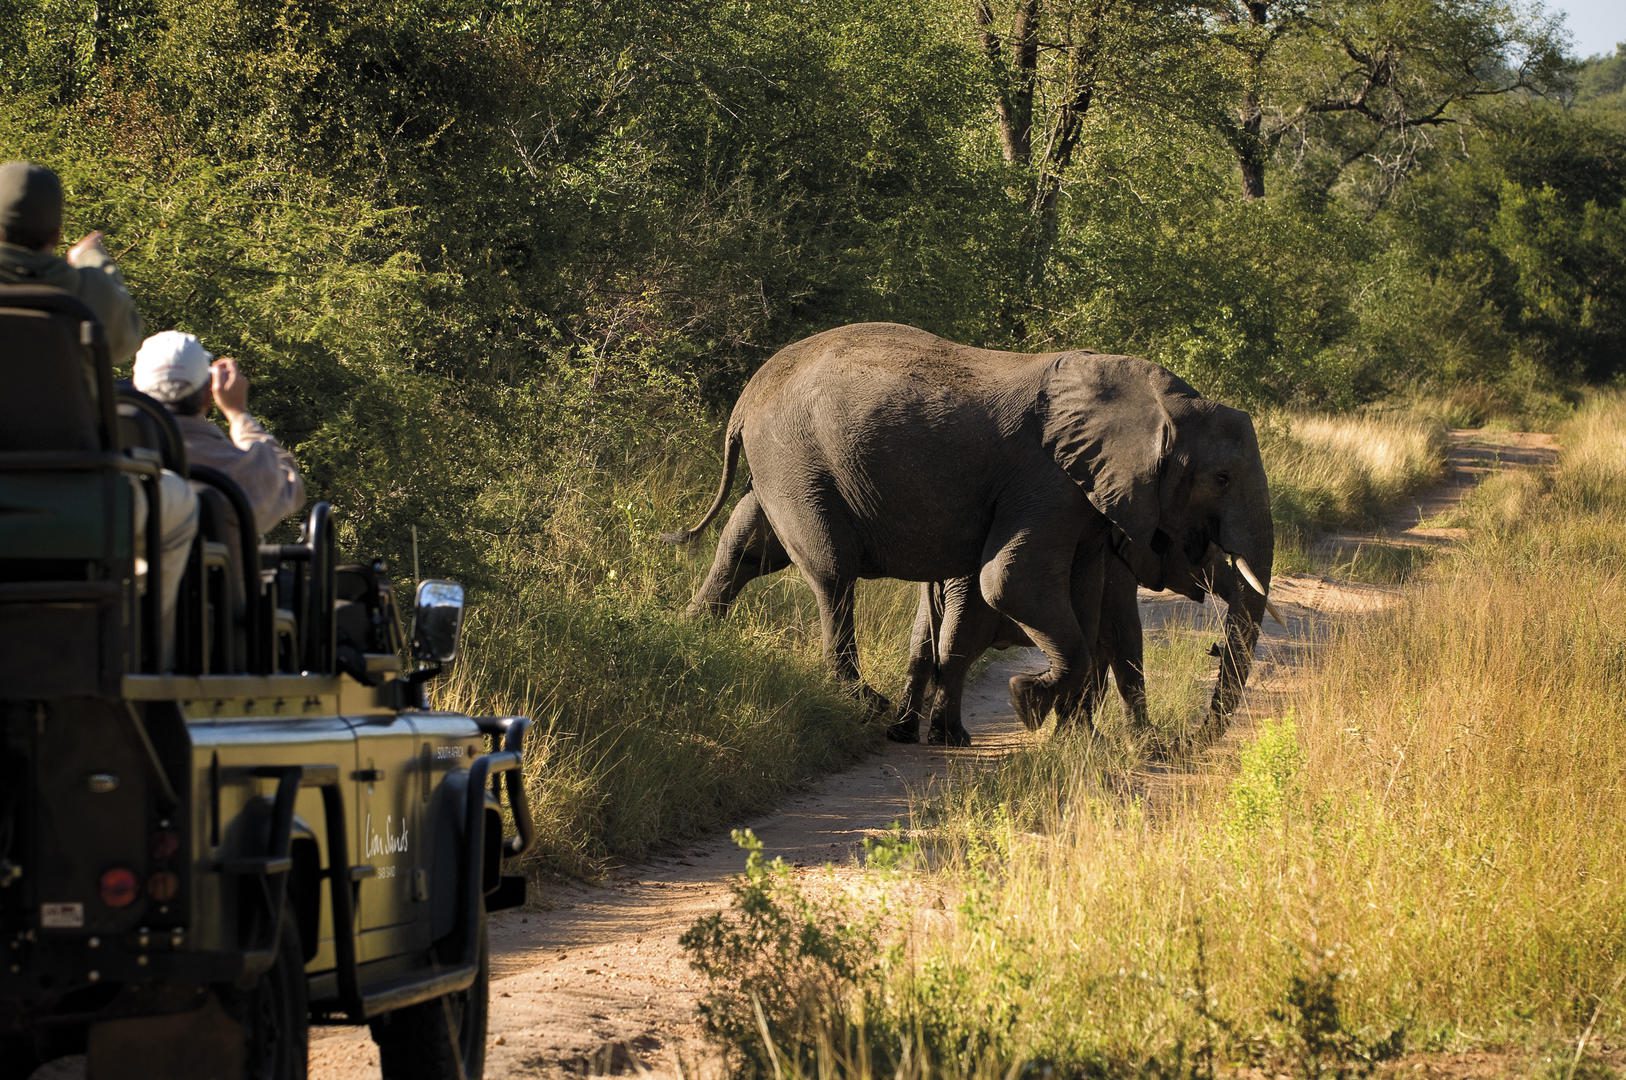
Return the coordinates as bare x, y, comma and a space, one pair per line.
1409, 859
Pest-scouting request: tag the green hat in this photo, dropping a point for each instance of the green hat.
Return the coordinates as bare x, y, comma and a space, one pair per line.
30, 204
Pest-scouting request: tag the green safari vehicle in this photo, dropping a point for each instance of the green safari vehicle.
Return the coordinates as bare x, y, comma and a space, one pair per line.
216, 833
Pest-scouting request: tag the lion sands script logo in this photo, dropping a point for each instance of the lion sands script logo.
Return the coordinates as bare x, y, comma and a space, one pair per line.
387, 842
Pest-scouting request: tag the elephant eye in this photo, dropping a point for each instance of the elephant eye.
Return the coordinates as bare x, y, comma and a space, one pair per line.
1222, 478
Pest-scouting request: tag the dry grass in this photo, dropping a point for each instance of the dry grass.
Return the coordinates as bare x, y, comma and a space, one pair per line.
1422, 853
1327, 471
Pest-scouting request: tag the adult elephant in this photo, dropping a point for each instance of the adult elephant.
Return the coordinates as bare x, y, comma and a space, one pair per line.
879, 450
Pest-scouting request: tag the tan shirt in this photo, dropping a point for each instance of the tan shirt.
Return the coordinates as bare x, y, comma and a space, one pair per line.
252, 457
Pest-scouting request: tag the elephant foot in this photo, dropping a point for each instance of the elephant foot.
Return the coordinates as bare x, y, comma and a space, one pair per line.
948, 735
1078, 714
1030, 699
905, 729
875, 703
1160, 751
699, 609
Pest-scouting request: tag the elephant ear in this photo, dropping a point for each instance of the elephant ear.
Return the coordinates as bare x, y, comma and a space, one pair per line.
1107, 423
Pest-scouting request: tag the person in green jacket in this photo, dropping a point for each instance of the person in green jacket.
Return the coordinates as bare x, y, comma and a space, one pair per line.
31, 230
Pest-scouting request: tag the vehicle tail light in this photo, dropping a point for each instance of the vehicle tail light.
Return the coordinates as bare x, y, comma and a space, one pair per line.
120, 887
163, 886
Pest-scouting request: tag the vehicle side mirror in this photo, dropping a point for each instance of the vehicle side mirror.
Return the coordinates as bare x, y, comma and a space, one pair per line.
438, 621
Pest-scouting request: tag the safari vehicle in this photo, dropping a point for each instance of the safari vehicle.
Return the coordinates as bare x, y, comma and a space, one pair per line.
215, 834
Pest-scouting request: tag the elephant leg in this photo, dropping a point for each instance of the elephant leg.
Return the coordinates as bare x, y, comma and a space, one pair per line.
1123, 646
835, 597
969, 628
920, 684
748, 549
1245, 612
1095, 684
1031, 580
1131, 679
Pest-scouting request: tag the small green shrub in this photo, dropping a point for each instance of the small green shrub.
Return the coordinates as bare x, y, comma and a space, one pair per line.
783, 969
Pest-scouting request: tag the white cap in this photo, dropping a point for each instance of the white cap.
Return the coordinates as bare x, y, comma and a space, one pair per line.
171, 365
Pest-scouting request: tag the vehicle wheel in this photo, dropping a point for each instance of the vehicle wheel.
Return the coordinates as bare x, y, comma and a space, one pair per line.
443, 1039
275, 1014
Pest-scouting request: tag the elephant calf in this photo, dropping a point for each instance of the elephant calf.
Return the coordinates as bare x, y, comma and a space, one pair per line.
954, 627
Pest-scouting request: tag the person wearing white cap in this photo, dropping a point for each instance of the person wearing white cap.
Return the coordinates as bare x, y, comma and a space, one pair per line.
177, 370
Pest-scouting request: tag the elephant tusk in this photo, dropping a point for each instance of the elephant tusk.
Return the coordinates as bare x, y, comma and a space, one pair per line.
1248, 575
1253, 581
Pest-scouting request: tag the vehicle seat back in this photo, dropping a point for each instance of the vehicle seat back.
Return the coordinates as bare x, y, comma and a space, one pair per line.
57, 373
67, 569
225, 518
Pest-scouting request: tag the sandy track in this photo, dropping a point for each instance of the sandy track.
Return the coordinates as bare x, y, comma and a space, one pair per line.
597, 982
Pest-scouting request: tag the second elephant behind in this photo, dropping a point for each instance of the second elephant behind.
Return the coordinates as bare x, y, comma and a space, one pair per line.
954, 627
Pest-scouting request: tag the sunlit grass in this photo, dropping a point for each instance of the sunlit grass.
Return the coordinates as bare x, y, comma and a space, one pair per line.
1420, 854
1328, 471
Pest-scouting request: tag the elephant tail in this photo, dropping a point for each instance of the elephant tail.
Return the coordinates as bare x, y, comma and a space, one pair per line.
731, 459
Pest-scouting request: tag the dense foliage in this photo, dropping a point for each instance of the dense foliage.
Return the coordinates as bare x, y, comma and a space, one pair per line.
463, 235
493, 265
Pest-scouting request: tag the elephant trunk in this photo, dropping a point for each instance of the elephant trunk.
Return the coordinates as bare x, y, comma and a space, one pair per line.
1243, 582
1246, 611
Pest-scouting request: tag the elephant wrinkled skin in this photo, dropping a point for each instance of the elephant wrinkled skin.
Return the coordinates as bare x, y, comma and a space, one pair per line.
879, 450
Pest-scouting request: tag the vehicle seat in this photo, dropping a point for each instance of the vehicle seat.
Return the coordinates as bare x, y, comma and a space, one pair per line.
144, 421
232, 573
368, 628
57, 394
67, 551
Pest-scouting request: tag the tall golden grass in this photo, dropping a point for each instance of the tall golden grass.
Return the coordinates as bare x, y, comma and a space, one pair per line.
1422, 853
1327, 471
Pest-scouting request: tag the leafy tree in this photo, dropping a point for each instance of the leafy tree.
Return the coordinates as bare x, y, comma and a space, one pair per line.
1336, 83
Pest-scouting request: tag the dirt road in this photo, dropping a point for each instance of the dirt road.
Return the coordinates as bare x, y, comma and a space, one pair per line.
597, 983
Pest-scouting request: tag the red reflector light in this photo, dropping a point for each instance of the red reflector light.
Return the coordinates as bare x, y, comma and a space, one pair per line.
120, 887
163, 886
165, 844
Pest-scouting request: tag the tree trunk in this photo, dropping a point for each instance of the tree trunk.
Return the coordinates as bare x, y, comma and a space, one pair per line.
1251, 148
102, 34
1013, 101
1082, 75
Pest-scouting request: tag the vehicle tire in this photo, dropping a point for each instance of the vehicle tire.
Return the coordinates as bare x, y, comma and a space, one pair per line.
275, 1014
443, 1039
